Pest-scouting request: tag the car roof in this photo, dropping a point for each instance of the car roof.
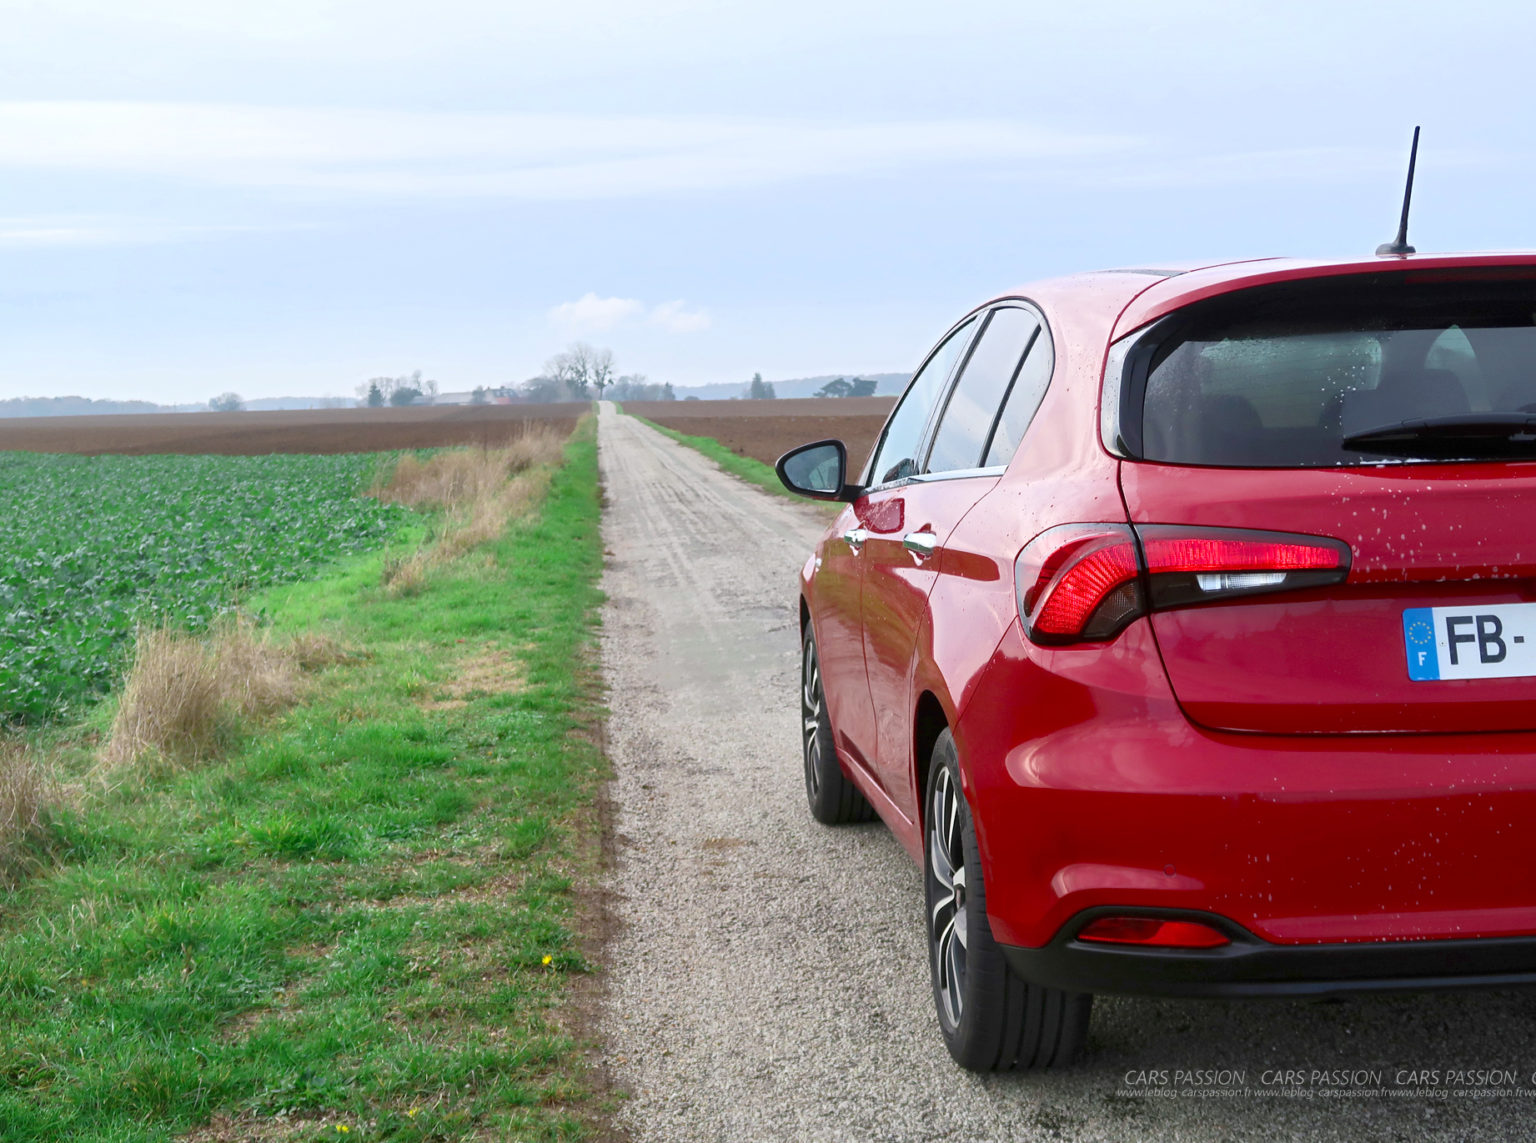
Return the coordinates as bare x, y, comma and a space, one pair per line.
1131, 298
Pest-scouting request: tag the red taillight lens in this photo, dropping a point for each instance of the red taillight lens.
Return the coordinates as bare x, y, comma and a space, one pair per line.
1202, 565
1077, 582
1184, 553
1153, 932
1086, 582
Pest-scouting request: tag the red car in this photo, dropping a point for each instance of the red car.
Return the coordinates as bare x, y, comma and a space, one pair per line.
1182, 624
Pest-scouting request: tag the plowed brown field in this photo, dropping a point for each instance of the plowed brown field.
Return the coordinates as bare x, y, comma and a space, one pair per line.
299, 430
765, 430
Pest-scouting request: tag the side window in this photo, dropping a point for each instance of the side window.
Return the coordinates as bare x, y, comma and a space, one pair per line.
1022, 400
896, 456
973, 405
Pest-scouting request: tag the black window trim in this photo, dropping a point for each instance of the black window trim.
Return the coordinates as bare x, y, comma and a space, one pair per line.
1132, 356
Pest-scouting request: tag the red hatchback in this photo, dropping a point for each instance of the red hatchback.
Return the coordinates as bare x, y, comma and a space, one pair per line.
1182, 625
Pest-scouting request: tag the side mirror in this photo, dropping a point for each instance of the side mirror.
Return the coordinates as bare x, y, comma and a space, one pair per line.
818, 471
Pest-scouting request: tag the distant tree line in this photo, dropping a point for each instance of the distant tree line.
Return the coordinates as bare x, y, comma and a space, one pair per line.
636, 388
760, 390
577, 374
858, 387
404, 390
582, 372
80, 406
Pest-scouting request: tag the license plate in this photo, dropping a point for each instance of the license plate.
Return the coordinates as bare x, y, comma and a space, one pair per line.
1482, 642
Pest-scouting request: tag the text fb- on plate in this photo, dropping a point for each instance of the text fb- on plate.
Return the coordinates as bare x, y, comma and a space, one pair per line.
1484, 641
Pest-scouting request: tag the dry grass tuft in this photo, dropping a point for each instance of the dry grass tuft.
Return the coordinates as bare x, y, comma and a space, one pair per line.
485, 517
491, 672
254, 676
407, 575
26, 792
457, 477
314, 652
171, 703
480, 492
184, 692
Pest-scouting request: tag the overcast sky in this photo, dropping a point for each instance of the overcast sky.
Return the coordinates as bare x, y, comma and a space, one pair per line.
291, 196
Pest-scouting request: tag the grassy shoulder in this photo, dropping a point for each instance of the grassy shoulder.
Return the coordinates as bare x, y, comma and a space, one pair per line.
357, 921
747, 468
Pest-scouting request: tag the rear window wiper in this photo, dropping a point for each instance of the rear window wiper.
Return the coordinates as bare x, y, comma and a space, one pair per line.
1492, 436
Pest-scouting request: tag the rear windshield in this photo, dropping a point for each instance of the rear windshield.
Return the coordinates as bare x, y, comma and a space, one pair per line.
1284, 377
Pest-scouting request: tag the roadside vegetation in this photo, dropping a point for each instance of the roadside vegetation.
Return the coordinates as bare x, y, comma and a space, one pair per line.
319, 878
476, 491
747, 468
94, 548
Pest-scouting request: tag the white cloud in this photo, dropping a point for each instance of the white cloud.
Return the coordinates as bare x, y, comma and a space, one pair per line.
675, 317
275, 19
528, 156
93, 230
1384, 165
593, 314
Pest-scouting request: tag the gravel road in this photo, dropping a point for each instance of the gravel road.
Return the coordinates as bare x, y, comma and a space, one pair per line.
770, 981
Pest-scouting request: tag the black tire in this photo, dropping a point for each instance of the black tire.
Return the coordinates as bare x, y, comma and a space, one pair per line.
834, 800
991, 1020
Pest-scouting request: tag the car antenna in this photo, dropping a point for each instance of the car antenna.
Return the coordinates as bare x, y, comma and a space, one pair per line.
1400, 244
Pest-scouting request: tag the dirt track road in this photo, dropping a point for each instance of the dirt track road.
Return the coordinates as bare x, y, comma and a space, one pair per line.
770, 980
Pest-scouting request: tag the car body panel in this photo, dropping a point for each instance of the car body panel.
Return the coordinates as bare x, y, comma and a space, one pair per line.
1421, 536
1102, 793
1196, 285
897, 583
837, 576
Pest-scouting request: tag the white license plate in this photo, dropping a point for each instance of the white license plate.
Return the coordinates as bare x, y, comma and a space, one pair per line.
1475, 642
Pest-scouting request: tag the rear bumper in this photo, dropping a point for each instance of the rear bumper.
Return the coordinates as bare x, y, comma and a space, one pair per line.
1253, 967
1090, 789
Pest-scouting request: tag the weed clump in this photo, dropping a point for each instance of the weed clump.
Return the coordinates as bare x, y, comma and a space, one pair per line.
479, 491
184, 693
454, 478
171, 702
26, 792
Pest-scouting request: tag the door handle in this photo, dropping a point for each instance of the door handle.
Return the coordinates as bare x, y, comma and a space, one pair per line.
855, 538
920, 544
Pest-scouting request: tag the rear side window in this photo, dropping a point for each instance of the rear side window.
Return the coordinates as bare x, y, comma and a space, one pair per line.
968, 417
1023, 399
1310, 377
896, 456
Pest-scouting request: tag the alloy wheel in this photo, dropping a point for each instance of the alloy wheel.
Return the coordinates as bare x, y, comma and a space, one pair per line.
811, 715
947, 916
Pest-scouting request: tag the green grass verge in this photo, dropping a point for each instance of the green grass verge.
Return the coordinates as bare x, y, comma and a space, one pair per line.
360, 922
748, 468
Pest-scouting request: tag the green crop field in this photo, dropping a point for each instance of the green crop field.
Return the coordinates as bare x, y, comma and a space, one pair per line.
91, 546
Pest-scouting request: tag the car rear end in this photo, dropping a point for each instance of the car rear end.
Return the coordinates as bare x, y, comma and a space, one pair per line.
1282, 728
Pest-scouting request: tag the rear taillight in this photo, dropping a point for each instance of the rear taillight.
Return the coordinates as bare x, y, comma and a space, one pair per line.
1085, 582
1078, 582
